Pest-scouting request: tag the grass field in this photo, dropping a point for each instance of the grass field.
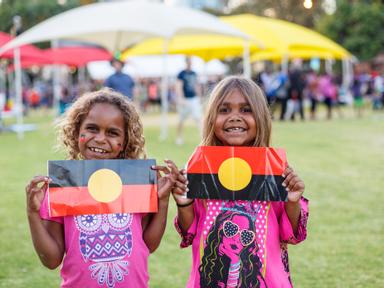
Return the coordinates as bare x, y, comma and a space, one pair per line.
341, 161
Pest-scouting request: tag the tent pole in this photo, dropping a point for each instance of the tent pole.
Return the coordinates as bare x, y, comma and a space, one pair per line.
3, 91
329, 66
56, 81
344, 74
3, 86
347, 71
164, 93
246, 60
18, 93
284, 64
81, 79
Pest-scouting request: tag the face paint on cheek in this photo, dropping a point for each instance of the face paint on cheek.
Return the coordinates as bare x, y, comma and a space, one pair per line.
82, 138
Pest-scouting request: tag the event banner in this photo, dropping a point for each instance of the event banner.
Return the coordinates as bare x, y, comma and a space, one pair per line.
101, 186
237, 173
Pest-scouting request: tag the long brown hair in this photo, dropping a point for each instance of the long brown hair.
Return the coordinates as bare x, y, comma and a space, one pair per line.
256, 99
69, 125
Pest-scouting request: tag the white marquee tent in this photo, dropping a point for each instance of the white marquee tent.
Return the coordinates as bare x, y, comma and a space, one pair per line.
118, 25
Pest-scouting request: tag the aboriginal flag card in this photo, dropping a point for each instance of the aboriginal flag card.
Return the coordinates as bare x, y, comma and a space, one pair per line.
237, 173
101, 186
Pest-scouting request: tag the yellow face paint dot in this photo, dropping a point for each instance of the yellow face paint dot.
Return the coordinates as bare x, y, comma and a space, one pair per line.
235, 174
105, 185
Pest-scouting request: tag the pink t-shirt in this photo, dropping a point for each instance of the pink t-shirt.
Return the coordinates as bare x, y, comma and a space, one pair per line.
105, 250
241, 243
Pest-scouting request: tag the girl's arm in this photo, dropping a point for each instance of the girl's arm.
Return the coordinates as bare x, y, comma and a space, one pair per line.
185, 212
156, 223
47, 236
295, 188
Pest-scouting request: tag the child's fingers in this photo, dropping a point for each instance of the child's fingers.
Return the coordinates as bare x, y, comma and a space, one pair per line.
36, 181
179, 191
299, 186
32, 194
160, 168
36, 189
287, 171
291, 183
180, 187
172, 166
288, 178
181, 178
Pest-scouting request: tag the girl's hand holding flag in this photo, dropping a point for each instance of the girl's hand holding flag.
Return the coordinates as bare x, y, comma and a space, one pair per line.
293, 184
171, 180
295, 188
35, 191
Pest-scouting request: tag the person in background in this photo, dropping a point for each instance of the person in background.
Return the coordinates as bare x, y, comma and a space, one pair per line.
312, 91
328, 90
120, 81
296, 87
188, 99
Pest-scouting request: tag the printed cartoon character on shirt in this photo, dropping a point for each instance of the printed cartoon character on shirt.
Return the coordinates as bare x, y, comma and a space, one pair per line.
105, 240
230, 255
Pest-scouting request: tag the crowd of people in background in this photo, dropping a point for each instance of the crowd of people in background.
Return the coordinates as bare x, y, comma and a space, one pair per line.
292, 95
302, 87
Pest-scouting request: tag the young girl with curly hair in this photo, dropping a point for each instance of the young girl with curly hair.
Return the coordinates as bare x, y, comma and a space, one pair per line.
105, 250
241, 243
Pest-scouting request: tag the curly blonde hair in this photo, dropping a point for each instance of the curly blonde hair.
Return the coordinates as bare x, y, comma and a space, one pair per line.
68, 126
256, 99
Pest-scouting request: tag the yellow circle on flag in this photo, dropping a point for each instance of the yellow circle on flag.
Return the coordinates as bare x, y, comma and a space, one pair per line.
235, 173
105, 185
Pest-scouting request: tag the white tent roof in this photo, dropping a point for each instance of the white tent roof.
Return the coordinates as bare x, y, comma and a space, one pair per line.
118, 25
151, 66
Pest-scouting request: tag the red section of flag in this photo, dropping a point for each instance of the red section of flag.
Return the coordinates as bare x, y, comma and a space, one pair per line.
77, 201
262, 160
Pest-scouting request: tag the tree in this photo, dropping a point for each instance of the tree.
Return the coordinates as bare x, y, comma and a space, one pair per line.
290, 10
357, 27
31, 12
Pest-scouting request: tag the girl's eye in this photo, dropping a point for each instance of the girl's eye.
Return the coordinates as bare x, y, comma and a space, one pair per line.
247, 109
113, 133
223, 110
91, 128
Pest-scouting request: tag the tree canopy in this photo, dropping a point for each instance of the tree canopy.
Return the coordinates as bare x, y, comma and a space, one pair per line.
32, 11
357, 26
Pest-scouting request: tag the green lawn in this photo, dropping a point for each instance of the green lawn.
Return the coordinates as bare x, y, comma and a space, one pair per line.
341, 161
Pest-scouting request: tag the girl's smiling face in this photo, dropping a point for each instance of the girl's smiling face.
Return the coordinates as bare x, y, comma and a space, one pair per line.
235, 124
102, 132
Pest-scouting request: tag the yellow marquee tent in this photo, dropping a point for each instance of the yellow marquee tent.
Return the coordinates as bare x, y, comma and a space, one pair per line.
203, 46
270, 39
284, 39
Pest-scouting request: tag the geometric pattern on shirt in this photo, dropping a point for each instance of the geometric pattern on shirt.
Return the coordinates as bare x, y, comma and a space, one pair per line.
106, 239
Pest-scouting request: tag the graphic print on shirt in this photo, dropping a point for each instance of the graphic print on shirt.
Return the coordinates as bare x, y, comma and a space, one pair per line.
105, 240
230, 257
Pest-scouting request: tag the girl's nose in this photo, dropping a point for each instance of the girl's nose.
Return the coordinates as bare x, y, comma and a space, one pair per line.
234, 117
100, 137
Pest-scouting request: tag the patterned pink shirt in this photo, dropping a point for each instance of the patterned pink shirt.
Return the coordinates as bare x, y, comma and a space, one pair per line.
105, 250
241, 243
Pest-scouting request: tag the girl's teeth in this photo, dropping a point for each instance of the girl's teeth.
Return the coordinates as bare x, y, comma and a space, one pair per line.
98, 150
235, 129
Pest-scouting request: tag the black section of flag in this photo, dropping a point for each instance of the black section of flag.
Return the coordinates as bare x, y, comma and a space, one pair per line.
261, 187
76, 173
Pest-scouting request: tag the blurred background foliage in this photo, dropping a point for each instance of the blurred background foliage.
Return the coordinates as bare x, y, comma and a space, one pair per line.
356, 25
